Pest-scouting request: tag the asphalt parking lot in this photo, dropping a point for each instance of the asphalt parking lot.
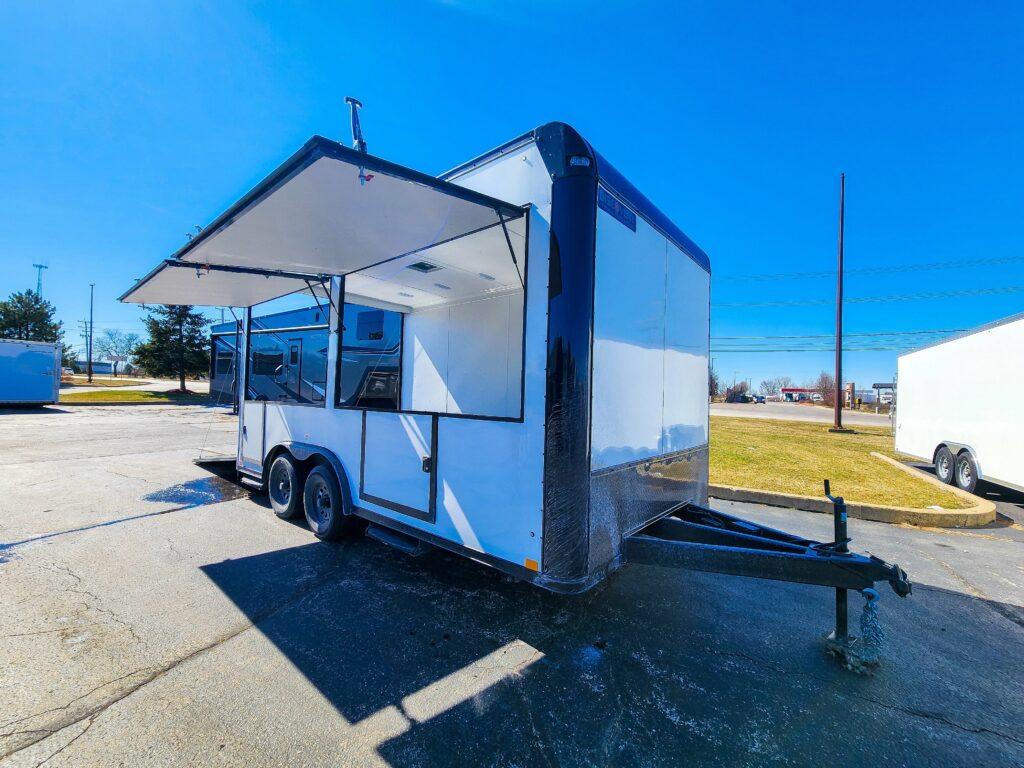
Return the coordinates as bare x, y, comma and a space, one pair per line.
154, 614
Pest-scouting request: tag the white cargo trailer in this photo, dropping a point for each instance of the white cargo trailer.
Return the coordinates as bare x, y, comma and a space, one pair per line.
955, 407
29, 372
509, 362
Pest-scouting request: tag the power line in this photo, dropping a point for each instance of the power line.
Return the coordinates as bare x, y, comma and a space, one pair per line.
832, 335
901, 268
718, 351
997, 291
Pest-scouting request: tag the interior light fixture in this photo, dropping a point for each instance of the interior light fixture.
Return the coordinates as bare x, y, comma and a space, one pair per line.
423, 266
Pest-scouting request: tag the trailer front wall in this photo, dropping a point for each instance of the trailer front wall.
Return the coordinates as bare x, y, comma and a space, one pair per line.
958, 391
649, 438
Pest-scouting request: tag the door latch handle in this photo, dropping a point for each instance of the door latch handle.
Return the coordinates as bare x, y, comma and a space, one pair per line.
427, 464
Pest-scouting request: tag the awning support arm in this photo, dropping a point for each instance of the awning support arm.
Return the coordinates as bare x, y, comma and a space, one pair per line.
312, 293
511, 249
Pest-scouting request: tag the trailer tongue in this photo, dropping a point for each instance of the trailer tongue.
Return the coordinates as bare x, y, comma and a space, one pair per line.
701, 539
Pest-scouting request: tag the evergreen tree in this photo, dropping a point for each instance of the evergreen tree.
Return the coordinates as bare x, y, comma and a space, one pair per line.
178, 344
25, 315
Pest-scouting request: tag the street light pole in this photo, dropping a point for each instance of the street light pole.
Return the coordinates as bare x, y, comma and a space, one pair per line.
837, 425
92, 287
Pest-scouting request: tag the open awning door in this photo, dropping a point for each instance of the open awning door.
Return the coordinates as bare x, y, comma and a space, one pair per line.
179, 282
330, 210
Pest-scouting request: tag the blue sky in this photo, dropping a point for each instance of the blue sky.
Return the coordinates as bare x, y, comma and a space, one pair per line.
122, 124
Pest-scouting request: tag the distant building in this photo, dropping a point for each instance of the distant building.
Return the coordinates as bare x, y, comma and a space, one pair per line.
98, 366
797, 394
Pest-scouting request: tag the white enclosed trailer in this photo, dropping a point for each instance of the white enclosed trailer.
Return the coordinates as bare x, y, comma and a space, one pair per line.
509, 362
954, 405
29, 372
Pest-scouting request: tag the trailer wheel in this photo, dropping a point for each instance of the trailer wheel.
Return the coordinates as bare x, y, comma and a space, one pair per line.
966, 472
284, 487
945, 464
325, 507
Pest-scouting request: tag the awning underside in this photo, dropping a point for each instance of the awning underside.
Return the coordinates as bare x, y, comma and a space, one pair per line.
176, 282
316, 216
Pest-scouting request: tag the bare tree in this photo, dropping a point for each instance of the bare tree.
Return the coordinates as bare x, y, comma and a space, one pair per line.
113, 344
825, 385
713, 384
734, 394
773, 387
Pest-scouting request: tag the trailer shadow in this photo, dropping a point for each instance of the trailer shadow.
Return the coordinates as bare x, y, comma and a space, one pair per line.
441, 661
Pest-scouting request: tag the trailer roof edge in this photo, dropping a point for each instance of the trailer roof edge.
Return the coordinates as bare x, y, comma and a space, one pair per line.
607, 175
964, 334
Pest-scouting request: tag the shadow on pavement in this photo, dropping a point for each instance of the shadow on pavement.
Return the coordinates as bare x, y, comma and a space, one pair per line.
442, 661
35, 410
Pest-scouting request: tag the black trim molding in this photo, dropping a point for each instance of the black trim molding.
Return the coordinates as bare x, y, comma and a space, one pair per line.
570, 317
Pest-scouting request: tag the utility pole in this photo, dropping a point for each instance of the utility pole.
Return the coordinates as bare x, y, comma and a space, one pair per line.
39, 278
837, 425
92, 287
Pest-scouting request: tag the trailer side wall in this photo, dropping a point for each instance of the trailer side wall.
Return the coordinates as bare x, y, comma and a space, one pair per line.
960, 391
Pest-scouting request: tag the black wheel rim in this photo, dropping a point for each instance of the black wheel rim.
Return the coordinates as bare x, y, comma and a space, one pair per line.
281, 486
322, 502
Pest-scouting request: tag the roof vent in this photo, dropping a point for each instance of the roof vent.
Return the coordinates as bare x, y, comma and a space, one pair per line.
423, 266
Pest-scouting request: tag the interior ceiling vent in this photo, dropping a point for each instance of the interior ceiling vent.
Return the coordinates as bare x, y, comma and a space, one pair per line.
424, 266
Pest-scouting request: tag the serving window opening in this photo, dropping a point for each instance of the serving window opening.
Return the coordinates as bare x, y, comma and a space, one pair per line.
439, 331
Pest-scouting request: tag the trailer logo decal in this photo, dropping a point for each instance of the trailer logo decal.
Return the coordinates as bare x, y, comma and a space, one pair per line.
608, 202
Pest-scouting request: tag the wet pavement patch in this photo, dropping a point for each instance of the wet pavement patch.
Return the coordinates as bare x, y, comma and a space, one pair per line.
197, 493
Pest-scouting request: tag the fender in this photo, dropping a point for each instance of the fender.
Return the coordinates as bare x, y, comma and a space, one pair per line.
306, 451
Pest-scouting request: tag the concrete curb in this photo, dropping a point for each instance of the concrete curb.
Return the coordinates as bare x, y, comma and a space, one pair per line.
981, 513
107, 403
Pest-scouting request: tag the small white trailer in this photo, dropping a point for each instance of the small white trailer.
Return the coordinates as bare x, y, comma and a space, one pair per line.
955, 408
509, 361
29, 372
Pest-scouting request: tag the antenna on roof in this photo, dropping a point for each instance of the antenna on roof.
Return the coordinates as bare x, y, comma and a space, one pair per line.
358, 144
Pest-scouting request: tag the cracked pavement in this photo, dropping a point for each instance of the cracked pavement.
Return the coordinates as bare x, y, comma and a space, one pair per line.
184, 632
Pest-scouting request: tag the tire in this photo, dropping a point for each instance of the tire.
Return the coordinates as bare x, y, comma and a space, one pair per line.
325, 505
966, 472
945, 465
284, 486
